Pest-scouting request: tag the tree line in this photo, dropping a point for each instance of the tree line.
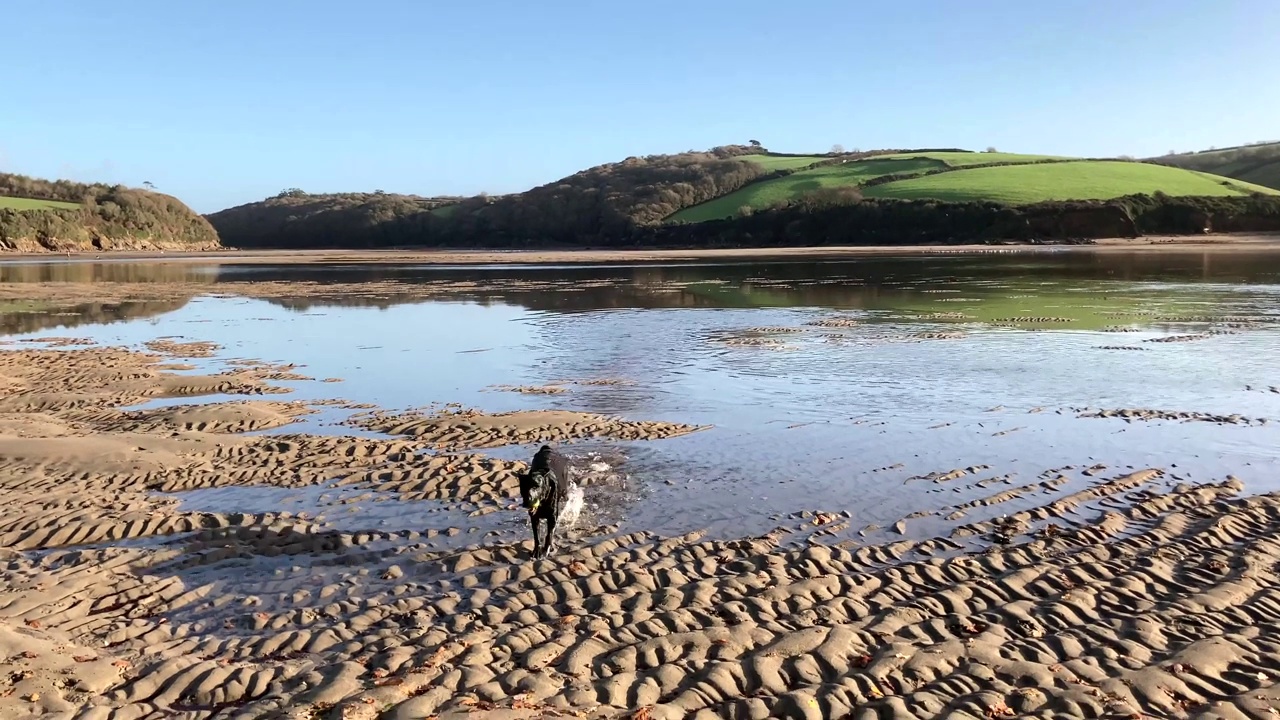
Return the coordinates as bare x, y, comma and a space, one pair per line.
296, 219
598, 205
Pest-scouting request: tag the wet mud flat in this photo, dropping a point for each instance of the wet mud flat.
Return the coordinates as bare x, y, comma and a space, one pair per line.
1114, 593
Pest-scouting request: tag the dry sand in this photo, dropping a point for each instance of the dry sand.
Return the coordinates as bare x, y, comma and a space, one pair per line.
115, 603
1243, 241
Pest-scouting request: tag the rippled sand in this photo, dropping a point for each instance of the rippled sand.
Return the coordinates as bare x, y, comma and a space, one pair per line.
1117, 594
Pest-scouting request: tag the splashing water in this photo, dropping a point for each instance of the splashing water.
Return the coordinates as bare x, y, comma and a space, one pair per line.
572, 506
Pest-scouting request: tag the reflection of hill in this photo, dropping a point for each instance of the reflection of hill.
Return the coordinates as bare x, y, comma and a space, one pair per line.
116, 272
862, 283
25, 317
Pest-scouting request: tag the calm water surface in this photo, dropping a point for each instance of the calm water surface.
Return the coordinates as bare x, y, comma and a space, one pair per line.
936, 375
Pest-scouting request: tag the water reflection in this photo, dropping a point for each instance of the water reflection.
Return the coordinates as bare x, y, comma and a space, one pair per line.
27, 316
113, 272
839, 420
837, 282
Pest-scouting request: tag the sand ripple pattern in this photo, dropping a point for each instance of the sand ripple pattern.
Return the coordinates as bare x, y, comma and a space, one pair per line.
1128, 596
1167, 607
459, 429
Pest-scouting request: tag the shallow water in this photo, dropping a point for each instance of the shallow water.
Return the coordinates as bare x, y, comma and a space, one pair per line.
834, 419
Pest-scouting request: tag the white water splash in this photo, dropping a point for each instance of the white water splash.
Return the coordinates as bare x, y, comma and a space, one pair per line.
572, 506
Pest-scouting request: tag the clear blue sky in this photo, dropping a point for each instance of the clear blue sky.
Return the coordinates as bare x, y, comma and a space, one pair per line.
226, 102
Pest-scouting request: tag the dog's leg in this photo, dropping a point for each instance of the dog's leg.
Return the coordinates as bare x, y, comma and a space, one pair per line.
546, 538
537, 543
551, 534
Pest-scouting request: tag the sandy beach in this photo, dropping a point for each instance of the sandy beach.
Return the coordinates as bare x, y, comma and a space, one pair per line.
115, 603
1103, 591
233, 256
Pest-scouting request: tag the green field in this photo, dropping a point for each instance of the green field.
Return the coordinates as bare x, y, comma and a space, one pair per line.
28, 204
763, 194
1085, 180
778, 162
961, 159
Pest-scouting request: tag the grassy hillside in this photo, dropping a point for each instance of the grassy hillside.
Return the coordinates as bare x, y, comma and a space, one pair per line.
851, 173
1258, 163
961, 159
783, 162
38, 215
768, 193
17, 203
962, 177
1085, 180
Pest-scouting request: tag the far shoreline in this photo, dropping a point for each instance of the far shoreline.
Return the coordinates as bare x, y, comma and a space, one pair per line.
1243, 242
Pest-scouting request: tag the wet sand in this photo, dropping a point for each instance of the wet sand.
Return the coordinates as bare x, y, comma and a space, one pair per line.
1226, 241
1133, 596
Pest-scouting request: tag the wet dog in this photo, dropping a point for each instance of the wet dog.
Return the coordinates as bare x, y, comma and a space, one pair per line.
544, 490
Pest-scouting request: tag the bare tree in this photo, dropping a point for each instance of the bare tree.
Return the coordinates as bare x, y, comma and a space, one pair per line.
837, 149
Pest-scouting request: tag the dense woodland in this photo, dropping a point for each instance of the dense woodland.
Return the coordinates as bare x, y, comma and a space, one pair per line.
108, 217
601, 202
603, 205
295, 219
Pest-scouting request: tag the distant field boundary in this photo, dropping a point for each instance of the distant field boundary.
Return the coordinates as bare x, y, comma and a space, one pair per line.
916, 155
886, 179
1253, 165
884, 156
49, 204
1215, 150
826, 161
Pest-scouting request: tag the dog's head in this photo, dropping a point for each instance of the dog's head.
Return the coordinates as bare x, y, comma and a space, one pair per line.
535, 486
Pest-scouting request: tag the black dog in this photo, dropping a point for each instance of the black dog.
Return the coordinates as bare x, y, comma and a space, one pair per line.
544, 490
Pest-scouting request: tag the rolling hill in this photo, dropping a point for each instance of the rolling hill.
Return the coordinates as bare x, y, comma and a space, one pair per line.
761, 195
741, 195
1258, 163
1044, 182
971, 177
297, 219
957, 159
782, 162
41, 215
607, 200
